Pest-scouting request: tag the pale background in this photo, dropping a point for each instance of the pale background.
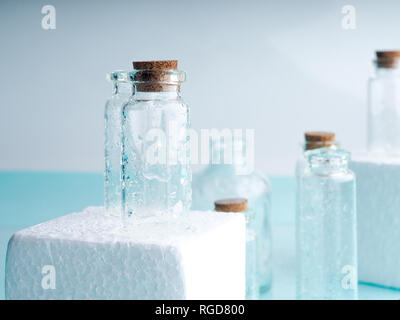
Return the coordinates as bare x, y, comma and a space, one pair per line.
279, 67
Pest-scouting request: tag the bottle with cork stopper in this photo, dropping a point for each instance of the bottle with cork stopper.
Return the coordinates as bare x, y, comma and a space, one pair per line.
383, 121
226, 179
241, 205
314, 140
326, 227
156, 174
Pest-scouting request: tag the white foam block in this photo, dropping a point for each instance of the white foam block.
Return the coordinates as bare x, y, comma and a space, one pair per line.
85, 255
378, 211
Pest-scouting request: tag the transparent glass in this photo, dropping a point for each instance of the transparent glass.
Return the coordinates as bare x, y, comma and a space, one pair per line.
384, 111
156, 174
326, 238
221, 181
301, 164
122, 90
252, 286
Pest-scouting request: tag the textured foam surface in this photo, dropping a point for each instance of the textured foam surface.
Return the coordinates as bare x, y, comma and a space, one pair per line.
201, 256
378, 212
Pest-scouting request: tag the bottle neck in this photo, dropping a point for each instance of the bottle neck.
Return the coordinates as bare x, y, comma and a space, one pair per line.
122, 88
327, 161
387, 72
157, 95
329, 167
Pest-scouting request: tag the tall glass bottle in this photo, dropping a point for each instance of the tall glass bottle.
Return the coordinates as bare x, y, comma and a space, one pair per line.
240, 205
122, 90
326, 237
384, 104
226, 180
312, 140
156, 175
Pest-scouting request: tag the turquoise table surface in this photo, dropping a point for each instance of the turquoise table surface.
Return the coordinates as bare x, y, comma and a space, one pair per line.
28, 198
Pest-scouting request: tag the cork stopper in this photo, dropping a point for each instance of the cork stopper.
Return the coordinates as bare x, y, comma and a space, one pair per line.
319, 139
387, 59
157, 76
155, 65
319, 136
231, 205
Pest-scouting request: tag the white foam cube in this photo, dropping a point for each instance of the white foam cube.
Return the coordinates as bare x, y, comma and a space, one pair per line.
85, 255
378, 212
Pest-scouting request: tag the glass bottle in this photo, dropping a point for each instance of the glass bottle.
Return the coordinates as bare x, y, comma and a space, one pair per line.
156, 175
312, 140
240, 205
122, 90
221, 180
326, 239
384, 104
315, 140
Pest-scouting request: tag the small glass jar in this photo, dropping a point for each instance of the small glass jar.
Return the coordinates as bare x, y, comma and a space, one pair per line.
240, 205
122, 90
326, 238
221, 180
384, 104
156, 174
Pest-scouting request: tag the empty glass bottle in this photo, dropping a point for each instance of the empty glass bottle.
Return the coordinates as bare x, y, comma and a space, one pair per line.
156, 175
313, 140
326, 238
221, 180
240, 205
122, 90
384, 104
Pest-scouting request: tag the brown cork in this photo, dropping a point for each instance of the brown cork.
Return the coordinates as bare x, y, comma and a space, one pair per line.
231, 205
318, 136
319, 139
156, 76
387, 59
165, 76
155, 65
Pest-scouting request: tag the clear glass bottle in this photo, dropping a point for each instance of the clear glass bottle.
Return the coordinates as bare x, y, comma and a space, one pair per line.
122, 90
314, 140
384, 104
240, 205
326, 238
223, 180
156, 174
